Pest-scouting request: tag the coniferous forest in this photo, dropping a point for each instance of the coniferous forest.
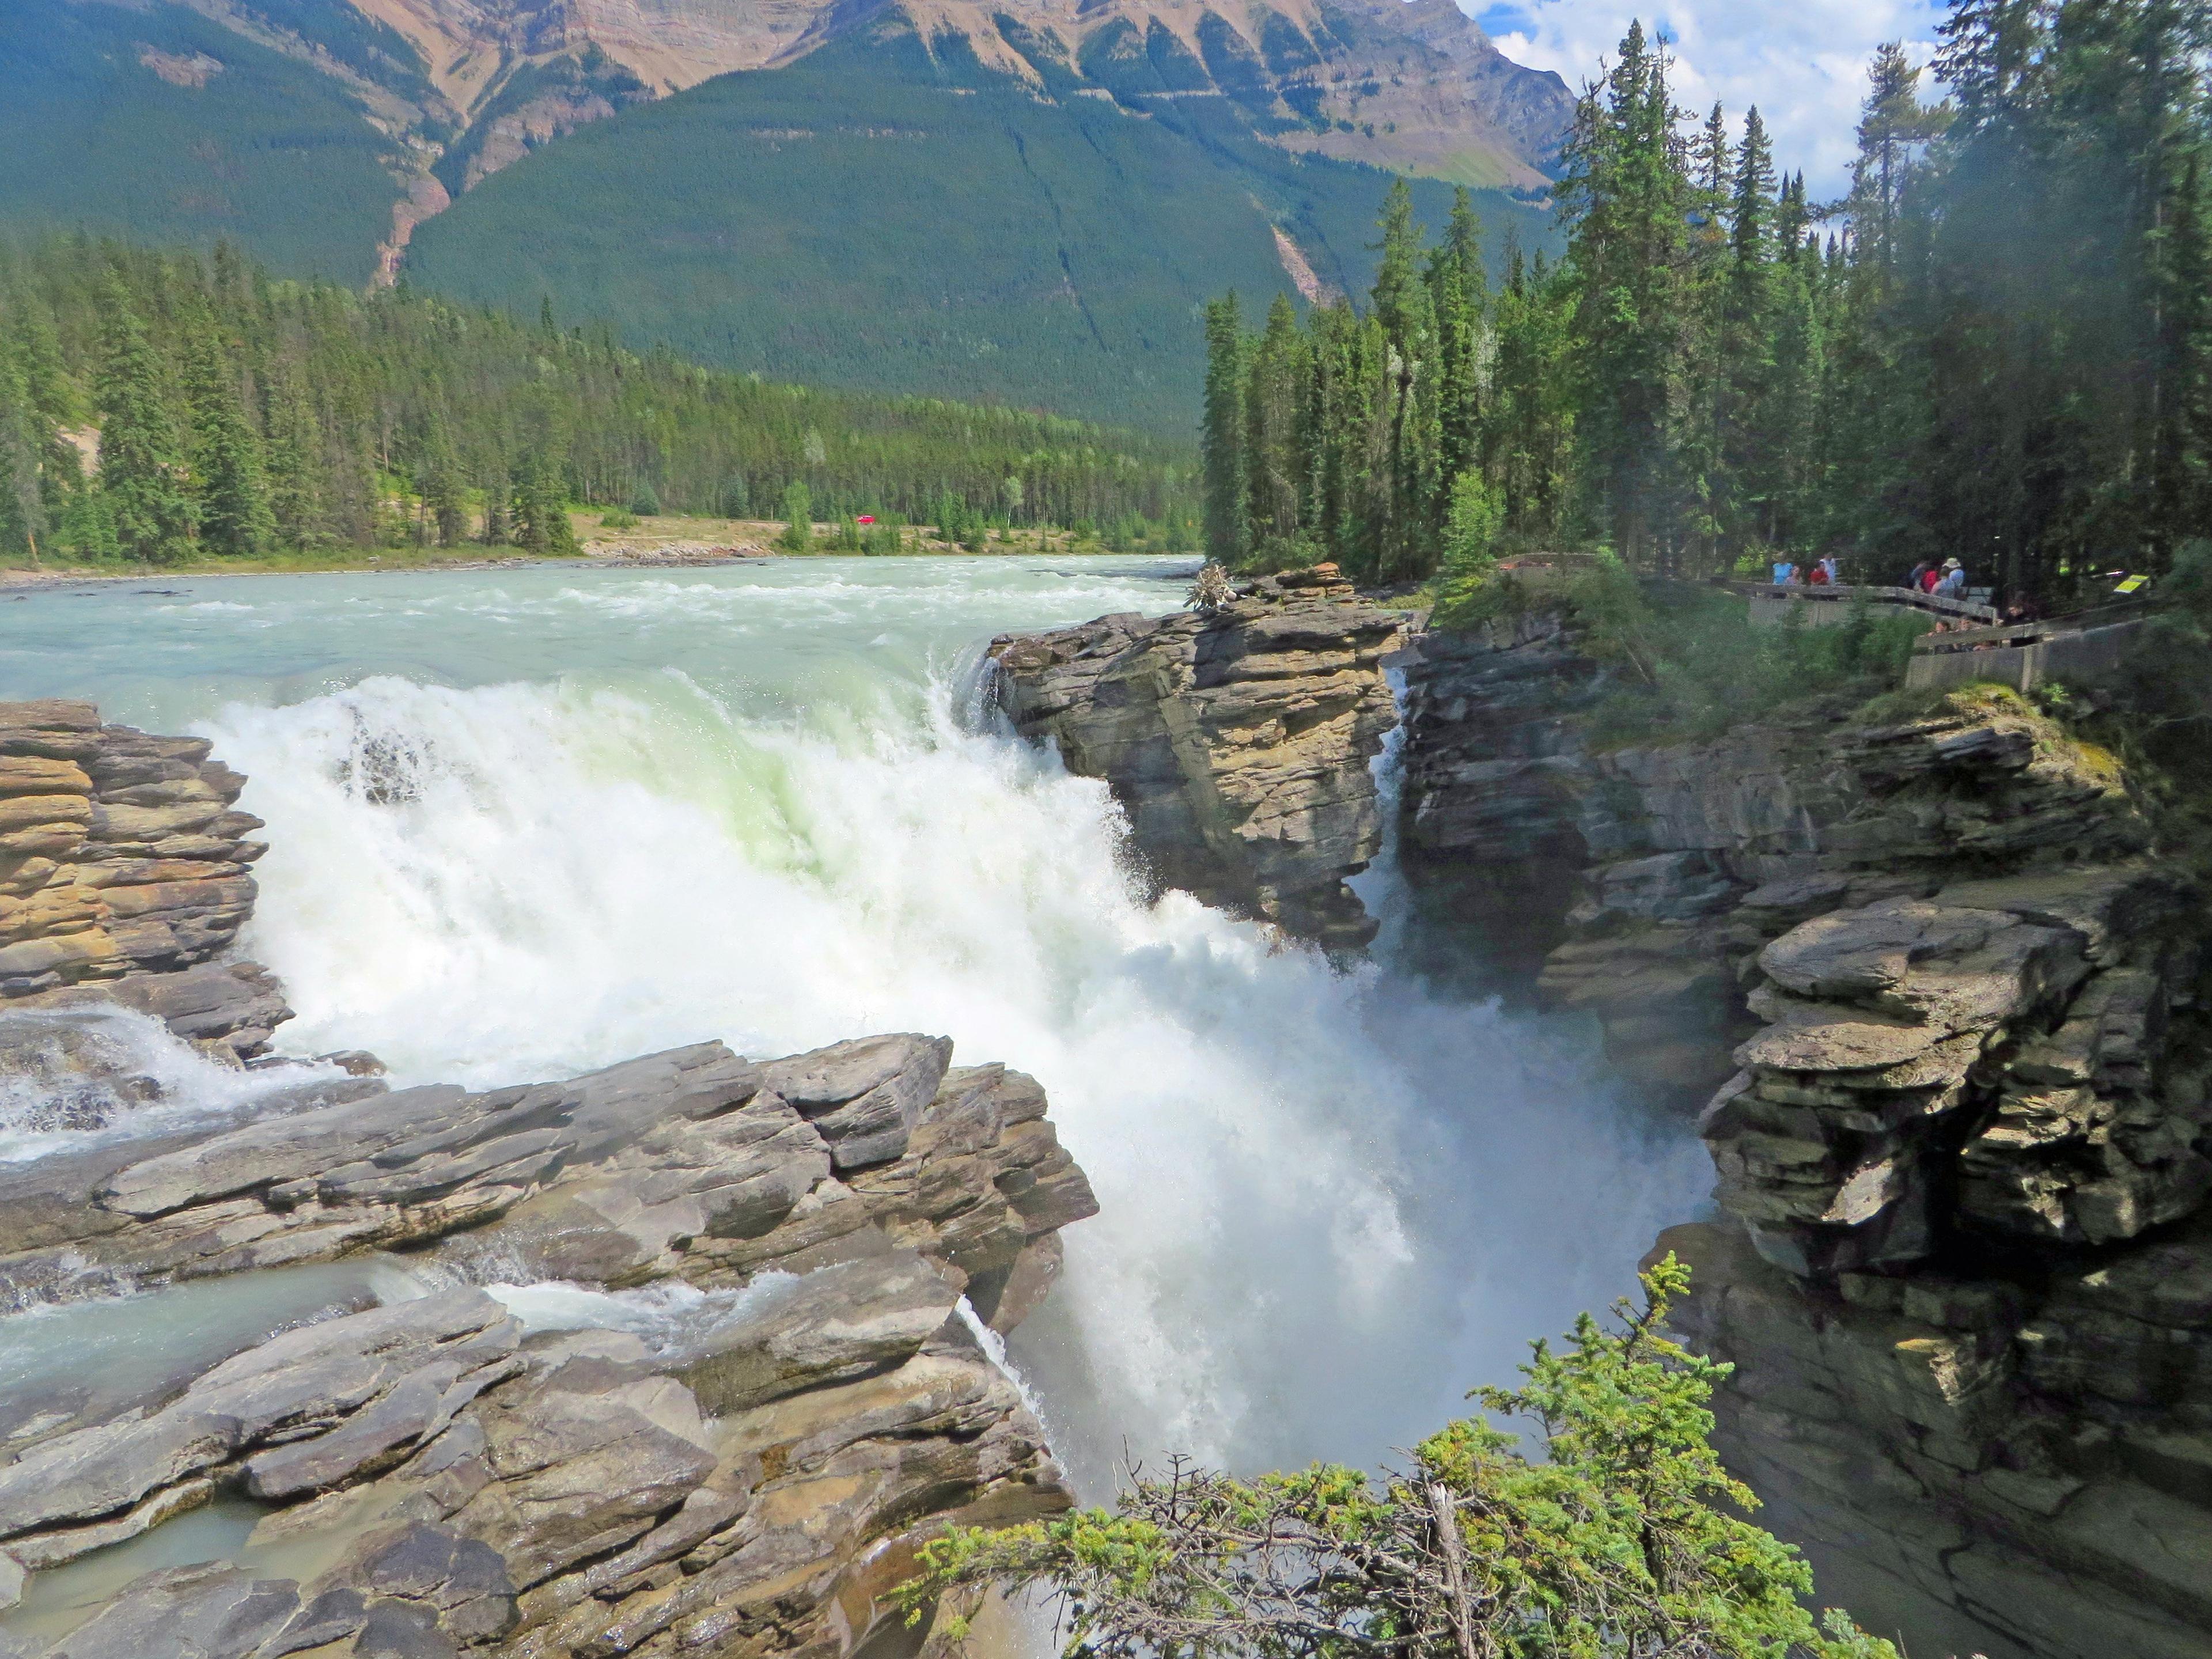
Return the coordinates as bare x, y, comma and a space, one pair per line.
239, 416
1997, 347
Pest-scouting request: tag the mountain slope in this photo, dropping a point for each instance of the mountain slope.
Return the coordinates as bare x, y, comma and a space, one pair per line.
1022, 200
262, 118
156, 121
891, 213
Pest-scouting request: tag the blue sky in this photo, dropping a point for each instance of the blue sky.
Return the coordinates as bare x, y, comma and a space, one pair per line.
1802, 62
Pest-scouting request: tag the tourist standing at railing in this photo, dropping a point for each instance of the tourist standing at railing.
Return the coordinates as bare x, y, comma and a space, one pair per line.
1953, 583
1918, 581
1785, 571
1833, 573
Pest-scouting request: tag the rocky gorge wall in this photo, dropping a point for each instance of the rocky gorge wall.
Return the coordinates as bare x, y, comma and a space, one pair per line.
766, 1375
1942, 1000
1936, 1005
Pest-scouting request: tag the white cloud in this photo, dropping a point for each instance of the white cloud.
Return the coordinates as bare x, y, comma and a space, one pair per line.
1802, 62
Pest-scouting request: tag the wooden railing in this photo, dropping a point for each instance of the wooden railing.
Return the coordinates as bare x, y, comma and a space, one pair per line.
1909, 598
2025, 654
2032, 633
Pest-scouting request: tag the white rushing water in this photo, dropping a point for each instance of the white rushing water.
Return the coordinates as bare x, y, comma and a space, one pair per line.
528, 823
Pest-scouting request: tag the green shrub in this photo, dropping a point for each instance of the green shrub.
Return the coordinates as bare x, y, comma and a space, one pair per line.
1621, 1536
618, 517
646, 502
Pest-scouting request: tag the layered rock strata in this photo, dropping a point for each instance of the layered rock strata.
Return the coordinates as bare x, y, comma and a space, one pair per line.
1639, 878
693, 1165
1946, 1003
124, 861
439, 1481
779, 1385
1237, 742
753, 1464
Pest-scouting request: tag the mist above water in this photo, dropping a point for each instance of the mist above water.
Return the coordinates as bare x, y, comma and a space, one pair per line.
527, 823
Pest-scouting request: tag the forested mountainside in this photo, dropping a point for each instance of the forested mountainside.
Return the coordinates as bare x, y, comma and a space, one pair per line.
1997, 354
961, 235
159, 122
158, 407
1094, 144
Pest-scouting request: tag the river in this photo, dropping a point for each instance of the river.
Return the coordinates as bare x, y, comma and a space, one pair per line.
525, 822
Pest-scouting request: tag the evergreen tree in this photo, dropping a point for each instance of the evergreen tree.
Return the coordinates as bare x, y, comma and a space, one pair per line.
1221, 433
1894, 125
1459, 292
1279, 388
438, 480
22, 502
1746, 474
1627, 196
229, 483
296, 459
539, 507
1618, 1534
1404, 483
1527, 438
50, 401
145, 471
498, 519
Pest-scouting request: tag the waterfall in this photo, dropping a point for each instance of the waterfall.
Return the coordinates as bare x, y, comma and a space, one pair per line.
523, 824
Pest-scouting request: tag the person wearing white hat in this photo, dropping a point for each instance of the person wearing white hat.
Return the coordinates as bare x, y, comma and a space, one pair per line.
1954, 582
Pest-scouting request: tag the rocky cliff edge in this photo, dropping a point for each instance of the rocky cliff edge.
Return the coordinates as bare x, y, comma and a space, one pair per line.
1236, 741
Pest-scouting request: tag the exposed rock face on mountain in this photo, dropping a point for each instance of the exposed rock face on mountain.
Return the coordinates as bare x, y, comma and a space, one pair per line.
1238, 742
779, 1387
1413, 86
1947, 1001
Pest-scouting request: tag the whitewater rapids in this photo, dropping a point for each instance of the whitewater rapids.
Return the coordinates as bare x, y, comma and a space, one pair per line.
524, 823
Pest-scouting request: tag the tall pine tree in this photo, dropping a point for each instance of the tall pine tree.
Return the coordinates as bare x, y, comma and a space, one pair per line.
145, 471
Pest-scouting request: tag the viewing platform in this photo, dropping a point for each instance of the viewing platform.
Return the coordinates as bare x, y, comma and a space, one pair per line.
2024, 654
1824, 606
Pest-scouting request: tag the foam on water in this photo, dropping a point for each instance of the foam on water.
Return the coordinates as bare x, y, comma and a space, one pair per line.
671, 1318
73, 1078
533, 829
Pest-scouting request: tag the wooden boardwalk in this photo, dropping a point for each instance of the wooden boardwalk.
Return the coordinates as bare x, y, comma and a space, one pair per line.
2025, 655
1824, 606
